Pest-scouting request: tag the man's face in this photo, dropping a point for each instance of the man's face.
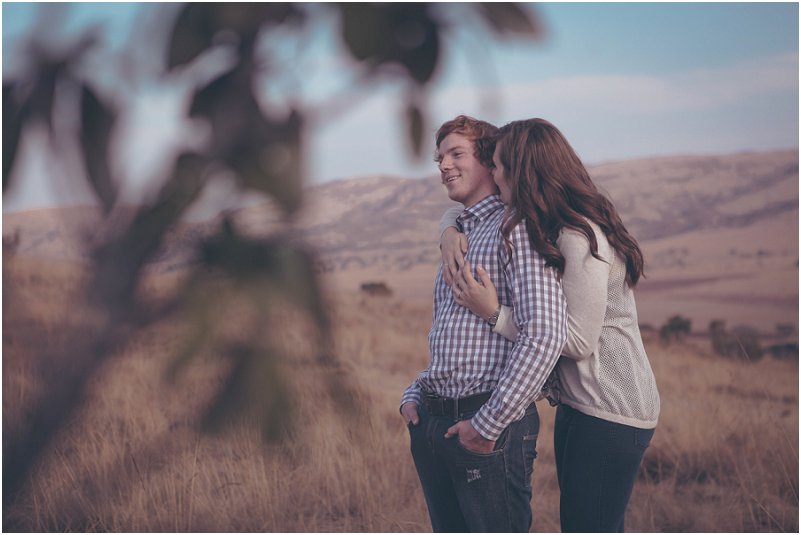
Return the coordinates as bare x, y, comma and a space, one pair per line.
500, 178
464, 176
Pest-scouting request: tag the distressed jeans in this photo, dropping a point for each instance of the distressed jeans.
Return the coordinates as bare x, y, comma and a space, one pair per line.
476, 492
596, 464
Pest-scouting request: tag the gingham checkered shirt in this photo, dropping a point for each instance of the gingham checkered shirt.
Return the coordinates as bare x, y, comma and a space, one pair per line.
466, 356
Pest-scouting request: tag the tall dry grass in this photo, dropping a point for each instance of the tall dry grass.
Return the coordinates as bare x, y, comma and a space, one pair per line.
724, 457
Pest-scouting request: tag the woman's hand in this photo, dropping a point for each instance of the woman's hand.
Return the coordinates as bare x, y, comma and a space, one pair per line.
480, 296
453, 245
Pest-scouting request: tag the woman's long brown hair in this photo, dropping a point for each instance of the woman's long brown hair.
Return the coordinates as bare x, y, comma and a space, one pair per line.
551, 190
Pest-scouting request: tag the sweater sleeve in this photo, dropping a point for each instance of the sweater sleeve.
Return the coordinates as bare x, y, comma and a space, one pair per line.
449, 218
584, 283
505, 326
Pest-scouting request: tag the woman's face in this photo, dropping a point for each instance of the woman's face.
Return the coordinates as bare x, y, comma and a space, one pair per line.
499, 176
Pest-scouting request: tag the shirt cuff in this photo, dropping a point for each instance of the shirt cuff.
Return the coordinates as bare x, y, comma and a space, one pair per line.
413, 394
485, 427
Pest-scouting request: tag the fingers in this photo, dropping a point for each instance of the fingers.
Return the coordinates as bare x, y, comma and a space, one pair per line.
463, 284
452, 431
410, 414
453, 245
484, 277
450, 271
467, 276
414, 418
456, 266
457, 296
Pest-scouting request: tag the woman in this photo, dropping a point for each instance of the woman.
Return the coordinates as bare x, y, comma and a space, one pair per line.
608, 404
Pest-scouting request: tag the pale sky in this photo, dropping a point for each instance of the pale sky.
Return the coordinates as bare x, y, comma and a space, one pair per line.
622, 81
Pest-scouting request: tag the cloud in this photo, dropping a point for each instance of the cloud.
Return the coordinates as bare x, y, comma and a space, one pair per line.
641, 94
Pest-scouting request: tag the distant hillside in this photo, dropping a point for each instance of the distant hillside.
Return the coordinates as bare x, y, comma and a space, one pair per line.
719, 232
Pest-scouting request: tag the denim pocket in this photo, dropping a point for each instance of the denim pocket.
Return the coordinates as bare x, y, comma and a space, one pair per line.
529, 447
494, 453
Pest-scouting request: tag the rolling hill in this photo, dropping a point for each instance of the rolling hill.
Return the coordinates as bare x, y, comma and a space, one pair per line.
720, 234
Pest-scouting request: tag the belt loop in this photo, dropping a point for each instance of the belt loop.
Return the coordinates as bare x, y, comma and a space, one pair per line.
456, 413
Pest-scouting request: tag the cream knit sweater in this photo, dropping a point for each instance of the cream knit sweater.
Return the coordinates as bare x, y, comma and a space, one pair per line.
604, 371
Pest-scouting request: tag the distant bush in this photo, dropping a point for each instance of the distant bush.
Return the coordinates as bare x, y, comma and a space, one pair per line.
785, 329
741, 341
376, 288
783, 351
722, 342
11, 243
675, 329
749, 341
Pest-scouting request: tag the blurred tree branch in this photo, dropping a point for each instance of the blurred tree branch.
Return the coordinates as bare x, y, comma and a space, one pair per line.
401, 43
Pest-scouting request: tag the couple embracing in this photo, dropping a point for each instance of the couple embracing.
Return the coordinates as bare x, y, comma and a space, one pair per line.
534, 297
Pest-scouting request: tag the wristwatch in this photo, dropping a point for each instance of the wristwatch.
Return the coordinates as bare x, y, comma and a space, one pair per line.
493, 319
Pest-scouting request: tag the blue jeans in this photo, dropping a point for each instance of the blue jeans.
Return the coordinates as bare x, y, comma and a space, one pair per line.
596, 464
475, 492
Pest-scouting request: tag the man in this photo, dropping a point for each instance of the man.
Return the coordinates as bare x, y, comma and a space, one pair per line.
471, 414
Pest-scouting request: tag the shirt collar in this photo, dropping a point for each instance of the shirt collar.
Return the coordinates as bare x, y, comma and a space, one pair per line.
480, 211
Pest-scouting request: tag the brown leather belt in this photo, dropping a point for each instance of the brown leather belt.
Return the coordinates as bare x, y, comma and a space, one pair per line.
454, 408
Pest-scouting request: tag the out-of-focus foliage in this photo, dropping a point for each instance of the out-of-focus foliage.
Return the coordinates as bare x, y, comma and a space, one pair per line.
675, 329
741, 342
398, 43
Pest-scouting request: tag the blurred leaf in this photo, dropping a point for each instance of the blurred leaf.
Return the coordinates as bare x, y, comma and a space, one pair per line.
193, 33
385, 33
13, 119
97, 122
119, 262
286, 265
41, 100
198, 25
417, 37
506, 17
301, 285
266, 154
195, 299
270, 159
254, 390
416, 127
361, 29
231, 92
240, 256
247, 18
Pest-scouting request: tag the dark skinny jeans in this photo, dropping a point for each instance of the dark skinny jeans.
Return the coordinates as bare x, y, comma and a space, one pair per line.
596, 464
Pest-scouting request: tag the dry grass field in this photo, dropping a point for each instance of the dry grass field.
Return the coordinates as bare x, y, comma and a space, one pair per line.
724, 457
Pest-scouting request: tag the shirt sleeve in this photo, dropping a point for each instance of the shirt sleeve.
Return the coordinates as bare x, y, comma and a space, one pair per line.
412, 394
449, 218
541, 318
585, 283
585, 286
